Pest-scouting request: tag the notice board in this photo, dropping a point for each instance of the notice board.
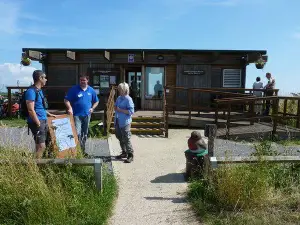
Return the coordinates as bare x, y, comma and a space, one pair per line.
63, 135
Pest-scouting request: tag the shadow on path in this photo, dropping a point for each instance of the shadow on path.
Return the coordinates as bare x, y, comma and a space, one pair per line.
170, 178
174, 200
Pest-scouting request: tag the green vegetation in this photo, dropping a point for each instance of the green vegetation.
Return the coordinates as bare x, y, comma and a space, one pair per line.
12, 122
253, 194
52, 194
95, 131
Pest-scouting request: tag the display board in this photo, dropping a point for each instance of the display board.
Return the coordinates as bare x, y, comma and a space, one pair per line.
63, 135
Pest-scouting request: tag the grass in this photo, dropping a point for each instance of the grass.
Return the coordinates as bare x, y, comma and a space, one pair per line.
52, 194
95, 131
259, 193
13, 122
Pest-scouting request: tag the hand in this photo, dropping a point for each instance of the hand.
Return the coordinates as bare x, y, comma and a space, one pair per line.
70, 111
118, 109
38, 124
91, 110
52, 115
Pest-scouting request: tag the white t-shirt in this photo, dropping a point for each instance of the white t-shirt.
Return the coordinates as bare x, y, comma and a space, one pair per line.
258, 85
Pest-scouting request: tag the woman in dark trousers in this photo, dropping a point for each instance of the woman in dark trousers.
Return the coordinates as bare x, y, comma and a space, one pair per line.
124, 109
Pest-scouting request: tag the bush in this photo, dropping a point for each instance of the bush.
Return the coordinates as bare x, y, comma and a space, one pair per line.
52, 194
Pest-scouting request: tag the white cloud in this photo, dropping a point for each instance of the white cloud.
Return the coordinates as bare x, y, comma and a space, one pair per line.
11, 73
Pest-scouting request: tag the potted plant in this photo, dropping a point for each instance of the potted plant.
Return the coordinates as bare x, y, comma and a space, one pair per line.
25, 61
260, 63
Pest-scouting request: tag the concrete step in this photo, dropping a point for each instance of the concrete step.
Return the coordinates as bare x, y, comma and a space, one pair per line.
150, 131
144, 124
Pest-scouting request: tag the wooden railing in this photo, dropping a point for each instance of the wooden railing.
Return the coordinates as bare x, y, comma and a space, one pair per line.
109, 109
191, 94
277, 116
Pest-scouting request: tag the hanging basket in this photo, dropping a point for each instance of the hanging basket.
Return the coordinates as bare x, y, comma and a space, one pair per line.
25, 61
259, 66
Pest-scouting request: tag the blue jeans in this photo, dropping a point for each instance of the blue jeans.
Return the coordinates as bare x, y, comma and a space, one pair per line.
82, 128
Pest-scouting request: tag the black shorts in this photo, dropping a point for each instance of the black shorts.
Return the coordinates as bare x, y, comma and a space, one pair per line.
40, 134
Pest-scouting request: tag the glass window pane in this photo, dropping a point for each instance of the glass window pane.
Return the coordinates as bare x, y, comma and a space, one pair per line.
155, 82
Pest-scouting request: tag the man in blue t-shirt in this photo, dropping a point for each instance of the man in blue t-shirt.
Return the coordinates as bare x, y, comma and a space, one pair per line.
37, 119
81, 101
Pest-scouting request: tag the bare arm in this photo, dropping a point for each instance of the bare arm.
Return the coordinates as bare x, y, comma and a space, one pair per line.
94, 107
69, 107
31, 112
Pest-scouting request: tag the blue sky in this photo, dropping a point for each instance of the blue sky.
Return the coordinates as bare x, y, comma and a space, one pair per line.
273, 25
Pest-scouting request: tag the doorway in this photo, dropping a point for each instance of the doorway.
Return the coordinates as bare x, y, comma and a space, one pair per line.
133, 76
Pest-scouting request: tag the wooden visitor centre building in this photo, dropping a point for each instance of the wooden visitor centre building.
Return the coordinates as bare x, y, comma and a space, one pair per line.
147, 71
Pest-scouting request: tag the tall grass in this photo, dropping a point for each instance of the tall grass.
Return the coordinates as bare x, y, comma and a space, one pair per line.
49, 194
260, 193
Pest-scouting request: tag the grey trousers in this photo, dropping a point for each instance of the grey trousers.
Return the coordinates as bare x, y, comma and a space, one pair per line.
124, 134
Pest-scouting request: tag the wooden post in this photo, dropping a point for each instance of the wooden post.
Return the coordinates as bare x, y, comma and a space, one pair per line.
228, 121
298, 115
252, 112
217, 114
275, 115
105, 127
190, 106
98, 174
211, 132
167, 122
9, 102
284, 108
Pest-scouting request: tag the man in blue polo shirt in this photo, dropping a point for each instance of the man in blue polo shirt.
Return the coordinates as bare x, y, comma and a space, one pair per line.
37, 113
81, 101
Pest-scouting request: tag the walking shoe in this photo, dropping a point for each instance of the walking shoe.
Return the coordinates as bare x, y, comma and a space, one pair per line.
123, 155
129, 158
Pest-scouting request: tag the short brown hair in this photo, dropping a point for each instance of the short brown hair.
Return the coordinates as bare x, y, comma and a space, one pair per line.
84, 76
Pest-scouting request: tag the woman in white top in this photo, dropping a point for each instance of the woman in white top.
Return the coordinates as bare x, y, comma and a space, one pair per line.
258, 105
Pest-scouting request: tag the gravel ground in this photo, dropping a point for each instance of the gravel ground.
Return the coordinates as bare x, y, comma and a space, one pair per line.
19, 138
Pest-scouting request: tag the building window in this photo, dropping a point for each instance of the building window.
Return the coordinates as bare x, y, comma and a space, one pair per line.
154, 82
232, 78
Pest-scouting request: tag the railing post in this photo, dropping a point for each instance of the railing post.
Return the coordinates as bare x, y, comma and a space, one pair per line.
228, 120
275, 115
211, 132
298, 115
98, 174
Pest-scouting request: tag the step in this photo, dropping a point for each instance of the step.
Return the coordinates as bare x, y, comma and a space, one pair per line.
135, 130
145, 124
145, 118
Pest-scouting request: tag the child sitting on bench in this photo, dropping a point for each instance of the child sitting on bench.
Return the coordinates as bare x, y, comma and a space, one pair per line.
195, 155
196, 143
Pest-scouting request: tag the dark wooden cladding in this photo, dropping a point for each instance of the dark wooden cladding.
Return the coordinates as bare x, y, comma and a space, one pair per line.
83, 68
60, 75
153, 104
216, 77
94, 57
123, 58
167, 58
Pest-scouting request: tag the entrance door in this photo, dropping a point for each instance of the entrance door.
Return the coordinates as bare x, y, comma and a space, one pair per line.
134, 79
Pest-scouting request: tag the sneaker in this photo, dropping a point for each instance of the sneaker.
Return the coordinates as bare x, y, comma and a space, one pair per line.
129, 158
123, 155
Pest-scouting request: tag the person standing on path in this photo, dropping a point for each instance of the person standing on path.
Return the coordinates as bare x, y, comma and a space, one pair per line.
269, 92
124, 109
258, 105
37, 113
81, 101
